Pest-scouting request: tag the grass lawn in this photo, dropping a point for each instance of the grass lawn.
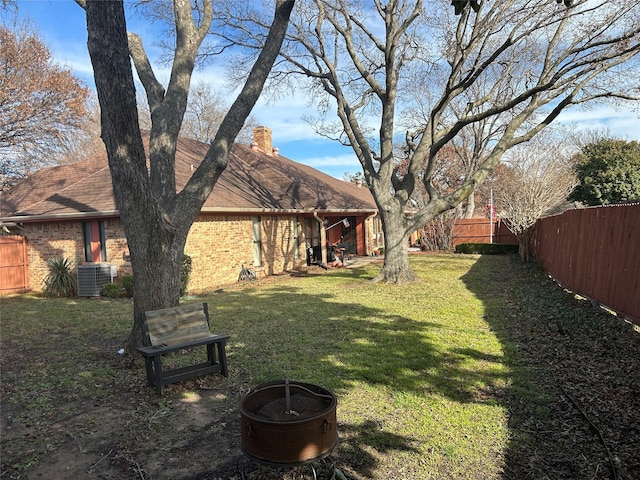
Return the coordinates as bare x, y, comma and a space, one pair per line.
485, 369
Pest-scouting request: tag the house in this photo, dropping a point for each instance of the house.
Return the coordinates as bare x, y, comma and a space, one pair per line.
265, 211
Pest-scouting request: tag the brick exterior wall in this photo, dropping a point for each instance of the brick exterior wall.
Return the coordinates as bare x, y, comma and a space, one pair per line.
50, 240
65, 239
218, 246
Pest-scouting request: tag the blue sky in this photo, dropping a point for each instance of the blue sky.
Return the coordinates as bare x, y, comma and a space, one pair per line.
62, 25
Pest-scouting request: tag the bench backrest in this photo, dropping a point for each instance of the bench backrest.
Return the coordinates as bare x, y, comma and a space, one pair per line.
173, 326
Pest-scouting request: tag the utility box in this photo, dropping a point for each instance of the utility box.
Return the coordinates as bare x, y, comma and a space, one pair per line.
92, 277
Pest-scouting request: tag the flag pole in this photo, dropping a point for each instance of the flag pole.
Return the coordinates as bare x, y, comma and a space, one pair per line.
331, 226
491, 217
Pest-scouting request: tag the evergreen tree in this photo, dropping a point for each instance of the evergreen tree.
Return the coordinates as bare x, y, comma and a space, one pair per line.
608, 172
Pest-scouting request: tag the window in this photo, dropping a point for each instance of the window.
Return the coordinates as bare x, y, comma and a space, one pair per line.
95, 241
296, 239
378, 236
257, 244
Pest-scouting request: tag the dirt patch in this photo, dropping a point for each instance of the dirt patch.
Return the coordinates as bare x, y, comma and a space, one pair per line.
130, 435
192, 432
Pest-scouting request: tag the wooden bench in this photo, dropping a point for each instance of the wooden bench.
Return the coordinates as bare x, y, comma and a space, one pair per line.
174, 329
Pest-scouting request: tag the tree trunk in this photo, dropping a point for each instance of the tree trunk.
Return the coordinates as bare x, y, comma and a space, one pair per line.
157, 265
156, 219
396, 268
523, 244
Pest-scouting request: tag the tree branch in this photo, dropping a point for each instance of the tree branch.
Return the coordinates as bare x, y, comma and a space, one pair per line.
201, 182
155, 91
614, 470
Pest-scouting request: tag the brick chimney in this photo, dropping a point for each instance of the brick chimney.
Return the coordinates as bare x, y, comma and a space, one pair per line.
262, 139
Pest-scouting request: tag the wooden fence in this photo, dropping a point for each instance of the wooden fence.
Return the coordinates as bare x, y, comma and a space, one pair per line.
14, 276
594, 252
481, 230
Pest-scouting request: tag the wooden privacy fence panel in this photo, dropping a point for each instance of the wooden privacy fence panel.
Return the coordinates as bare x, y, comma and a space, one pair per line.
594, 252
481, 230
13, 264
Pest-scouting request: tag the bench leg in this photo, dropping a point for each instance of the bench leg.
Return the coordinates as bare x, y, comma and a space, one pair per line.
223, 358
148, 365
220, 358
157, 377
153, 366
211, 354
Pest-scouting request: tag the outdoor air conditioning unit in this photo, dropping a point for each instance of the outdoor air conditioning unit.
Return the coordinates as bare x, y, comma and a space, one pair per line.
92, 277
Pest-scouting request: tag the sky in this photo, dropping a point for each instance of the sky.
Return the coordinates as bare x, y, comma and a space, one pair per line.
62, 25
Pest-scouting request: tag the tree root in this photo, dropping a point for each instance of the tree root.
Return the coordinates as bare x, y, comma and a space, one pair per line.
399, 277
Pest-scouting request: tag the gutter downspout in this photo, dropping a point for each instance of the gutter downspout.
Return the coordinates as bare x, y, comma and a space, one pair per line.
323, 238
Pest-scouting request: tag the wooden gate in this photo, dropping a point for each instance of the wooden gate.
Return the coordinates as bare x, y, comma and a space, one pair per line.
13, 264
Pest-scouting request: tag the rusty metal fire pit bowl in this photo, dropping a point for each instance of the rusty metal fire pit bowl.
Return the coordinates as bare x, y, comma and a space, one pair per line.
286, 423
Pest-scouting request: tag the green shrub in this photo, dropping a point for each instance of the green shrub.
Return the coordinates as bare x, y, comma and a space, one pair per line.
487, 248
381, 250
111, 290
184, 275
61, 281
127, 283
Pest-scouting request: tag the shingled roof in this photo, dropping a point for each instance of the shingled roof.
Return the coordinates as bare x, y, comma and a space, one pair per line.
253, 181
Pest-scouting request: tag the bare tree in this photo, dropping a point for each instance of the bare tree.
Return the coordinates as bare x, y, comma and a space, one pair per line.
524, 61
9, 5
206, 109
472, 146
538, 178
468, 149
42, 105
157, 218
85, 141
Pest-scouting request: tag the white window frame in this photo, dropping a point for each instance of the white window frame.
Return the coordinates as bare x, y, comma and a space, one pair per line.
256, 229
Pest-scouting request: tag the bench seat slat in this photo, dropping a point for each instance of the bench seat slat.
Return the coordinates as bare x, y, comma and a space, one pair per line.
172, 326
154, 350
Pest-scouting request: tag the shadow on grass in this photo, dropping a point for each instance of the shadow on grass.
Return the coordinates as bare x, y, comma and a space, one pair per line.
286, 332
564, 355
65, 359
282, 331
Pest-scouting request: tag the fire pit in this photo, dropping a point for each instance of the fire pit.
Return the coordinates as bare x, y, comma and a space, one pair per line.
287, 423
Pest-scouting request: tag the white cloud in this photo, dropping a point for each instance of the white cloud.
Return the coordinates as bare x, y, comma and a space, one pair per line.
621, 122
213, 75
286, 130
345, 161
285, 121
78, 63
